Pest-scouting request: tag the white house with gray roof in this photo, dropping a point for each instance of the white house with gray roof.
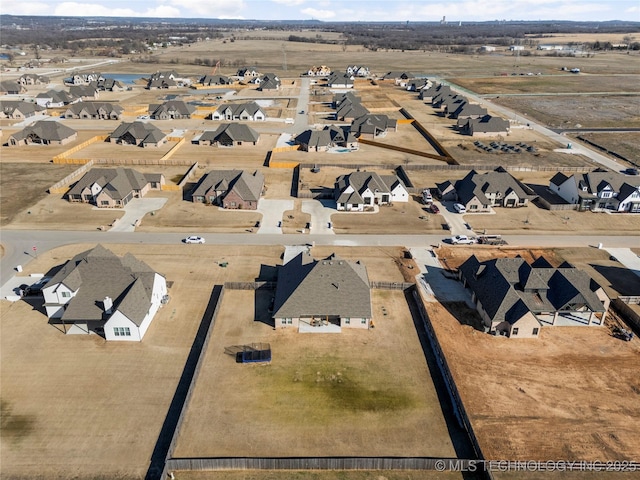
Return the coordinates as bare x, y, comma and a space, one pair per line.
360, 190
599, 190
322, 295
97, 292
249, 111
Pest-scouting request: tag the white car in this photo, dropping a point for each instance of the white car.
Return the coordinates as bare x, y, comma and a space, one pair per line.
143, 117
462, 240
194, 239
458, 207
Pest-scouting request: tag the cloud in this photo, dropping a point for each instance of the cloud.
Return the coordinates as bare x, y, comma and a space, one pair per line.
66, 9
289, 3
211, 8
319, 14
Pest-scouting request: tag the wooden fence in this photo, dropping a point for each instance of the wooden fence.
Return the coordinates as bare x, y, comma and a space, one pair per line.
173, 149
64, 156
287, 148
190, 173
63, 185
397, 148
430, 138
194, 378
452, 389
318, 463
630, 315
250, 285
390, 285
140, 161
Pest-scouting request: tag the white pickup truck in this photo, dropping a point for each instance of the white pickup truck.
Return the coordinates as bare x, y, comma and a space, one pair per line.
462, 240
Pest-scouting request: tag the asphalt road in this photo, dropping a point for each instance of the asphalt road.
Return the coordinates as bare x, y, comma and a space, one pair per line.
18, 244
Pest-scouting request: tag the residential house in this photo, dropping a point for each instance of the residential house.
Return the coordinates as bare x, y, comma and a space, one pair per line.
110, 85
418, 84
448, 103
19, 110
215, 80
478, 192
84, 78
113, 187
359, 190
340, 80
98, 292
322, 295
94, 111
372, 126
138, 133
32, 79
515, 298
234, 189
249, 111
340, 98
468, 110
11, 87
321, 71
348, 110
428, 93
172, 110
248, 72
485, 126
85, 92
322, 140
599, 190
43, 132
56, 99
400, 78
357, 71
230, 135
161, 84
269, 81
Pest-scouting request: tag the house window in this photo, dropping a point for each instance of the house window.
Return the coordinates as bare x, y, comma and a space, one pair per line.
347, 321
367, 200
121, 331
66, 294
283, 321
514, 331
535, 331
289, 321
473, 207
606, 195
363, 321
104, 202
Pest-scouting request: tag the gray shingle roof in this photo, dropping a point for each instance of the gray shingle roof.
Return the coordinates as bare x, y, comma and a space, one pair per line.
118, 181
93, 108
371, 124
501, 284
99, 273
141, 131
248, 186
251, 107
173, 108
360, 182
46, 130
331, 286
237, 132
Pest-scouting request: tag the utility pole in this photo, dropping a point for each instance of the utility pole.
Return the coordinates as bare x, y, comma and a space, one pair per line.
284, 54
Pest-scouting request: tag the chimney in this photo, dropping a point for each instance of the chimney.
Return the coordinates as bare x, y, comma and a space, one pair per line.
107, 303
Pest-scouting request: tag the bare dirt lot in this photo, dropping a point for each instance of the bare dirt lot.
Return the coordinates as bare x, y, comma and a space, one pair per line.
571, 394
75, 406
625, 144
341, 386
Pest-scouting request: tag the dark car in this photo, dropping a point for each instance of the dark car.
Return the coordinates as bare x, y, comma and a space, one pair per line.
632, 171
434, 208
34, 289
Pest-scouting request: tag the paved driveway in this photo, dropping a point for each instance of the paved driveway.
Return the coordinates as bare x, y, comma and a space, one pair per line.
456, 221
320, 212
272, 212
134, 211
436, 284
626, 257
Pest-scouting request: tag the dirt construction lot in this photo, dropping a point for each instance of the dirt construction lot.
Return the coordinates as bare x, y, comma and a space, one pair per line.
571, 394
79, 407
322, 394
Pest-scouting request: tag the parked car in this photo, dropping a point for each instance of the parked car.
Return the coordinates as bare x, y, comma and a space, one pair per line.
35, 288
194, 239
143, 117
434, 208
458, 207
632, 171
462, 240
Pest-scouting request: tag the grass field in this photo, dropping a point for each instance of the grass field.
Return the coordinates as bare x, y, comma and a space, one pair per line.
322, 394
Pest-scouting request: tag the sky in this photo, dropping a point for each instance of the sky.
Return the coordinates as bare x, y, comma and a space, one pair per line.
339, 10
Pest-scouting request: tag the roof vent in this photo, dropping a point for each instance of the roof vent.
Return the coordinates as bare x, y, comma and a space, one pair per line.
107, 303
